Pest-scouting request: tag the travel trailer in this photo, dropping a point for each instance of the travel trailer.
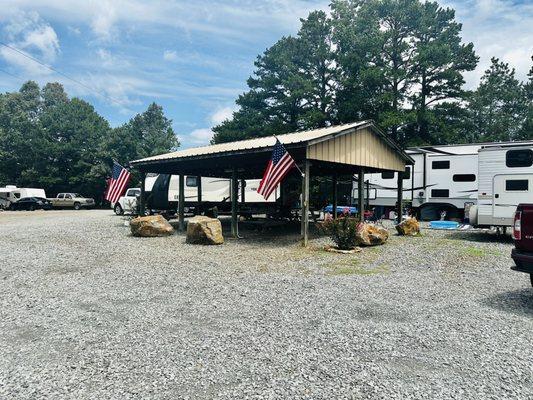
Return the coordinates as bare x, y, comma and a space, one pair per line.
505, 180
11, 194
162, 192
443, 179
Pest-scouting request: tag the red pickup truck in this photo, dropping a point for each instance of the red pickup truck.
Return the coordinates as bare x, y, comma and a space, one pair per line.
522, 254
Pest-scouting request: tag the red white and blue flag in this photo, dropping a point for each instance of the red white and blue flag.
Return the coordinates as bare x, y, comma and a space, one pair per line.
118, 182
277, 168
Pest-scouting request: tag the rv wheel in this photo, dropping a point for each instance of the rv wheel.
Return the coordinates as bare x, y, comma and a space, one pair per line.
118, 209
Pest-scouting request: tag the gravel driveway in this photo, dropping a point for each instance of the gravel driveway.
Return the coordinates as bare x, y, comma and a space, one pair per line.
89, 312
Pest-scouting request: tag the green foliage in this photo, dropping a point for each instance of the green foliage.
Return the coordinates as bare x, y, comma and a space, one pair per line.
342, 230
398, 62
48, 140
500, 106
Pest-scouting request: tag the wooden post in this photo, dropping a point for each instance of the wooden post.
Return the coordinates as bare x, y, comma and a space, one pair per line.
243, 191
181, 203
305, 203
199, 194
142, 198
361, 193
234, 188
399, 200
335, 200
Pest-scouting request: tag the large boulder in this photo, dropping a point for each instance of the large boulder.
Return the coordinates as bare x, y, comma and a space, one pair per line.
408, 227
151, 226
371, 235
204, 230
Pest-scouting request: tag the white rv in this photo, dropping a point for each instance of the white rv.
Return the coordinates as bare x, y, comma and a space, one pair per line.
11, 194
505, 180
443, 178
215, 192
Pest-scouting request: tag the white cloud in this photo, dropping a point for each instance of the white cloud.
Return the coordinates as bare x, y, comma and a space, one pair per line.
498, 28
170, 55
31, 35
198, 137
221, 115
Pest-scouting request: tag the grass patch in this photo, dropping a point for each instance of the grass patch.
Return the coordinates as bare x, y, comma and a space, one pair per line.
480, 252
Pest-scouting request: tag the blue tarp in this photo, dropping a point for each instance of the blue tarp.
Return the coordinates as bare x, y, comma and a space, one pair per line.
444, 224
340, 209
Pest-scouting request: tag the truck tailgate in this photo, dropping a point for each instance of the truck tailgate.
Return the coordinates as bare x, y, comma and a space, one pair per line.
526, 240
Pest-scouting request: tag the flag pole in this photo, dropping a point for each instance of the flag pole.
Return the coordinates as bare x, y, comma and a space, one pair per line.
295, 164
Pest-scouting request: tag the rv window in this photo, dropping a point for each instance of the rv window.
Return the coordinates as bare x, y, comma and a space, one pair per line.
518, 185
191, 181
440, 164
387, 175
407, 173
17, 195
519, 158
464, 178
440, 193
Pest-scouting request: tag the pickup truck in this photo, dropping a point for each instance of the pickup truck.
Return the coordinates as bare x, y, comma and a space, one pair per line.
522, 254
128, 202
71, 200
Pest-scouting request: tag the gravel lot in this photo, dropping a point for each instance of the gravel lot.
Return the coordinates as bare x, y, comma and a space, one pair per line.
89, 312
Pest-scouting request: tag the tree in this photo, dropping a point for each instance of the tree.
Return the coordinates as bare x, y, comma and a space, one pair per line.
292, 87
439, 63
147, 134
499, 106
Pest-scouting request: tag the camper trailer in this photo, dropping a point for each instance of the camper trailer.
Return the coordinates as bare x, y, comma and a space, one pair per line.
443, 179
162, 193
11, 194
505, 180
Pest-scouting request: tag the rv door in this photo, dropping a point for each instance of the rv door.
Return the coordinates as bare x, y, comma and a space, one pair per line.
509, 191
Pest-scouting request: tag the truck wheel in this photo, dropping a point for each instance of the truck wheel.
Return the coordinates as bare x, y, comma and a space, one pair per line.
118, 209
32, 208
77, 206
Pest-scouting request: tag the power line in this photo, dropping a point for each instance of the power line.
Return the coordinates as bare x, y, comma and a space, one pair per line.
13, 75
13, 48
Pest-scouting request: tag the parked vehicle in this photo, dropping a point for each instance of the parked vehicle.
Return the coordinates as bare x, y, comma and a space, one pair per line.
162, 194
71, 200
11, 194
128, 202
459, 180
505, 180
522, 254
32, 203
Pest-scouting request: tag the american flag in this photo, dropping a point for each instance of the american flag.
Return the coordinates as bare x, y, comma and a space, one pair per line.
279, 165
118, 182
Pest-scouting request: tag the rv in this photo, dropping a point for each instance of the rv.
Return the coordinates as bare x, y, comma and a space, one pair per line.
162, 193
11, 194
443, 179
505, 180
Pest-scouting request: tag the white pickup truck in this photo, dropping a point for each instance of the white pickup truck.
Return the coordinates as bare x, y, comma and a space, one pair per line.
127, 203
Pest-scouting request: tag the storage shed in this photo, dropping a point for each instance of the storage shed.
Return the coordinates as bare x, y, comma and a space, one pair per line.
353, 148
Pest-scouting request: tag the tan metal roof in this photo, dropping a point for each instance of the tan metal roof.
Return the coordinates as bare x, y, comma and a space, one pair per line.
264, 142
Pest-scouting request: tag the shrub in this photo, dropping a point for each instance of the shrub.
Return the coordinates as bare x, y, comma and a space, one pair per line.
341, 230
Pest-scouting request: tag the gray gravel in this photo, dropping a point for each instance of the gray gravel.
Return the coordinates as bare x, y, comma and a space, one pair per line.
89, 312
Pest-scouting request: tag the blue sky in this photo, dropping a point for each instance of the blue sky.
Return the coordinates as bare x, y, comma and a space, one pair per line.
193, 58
